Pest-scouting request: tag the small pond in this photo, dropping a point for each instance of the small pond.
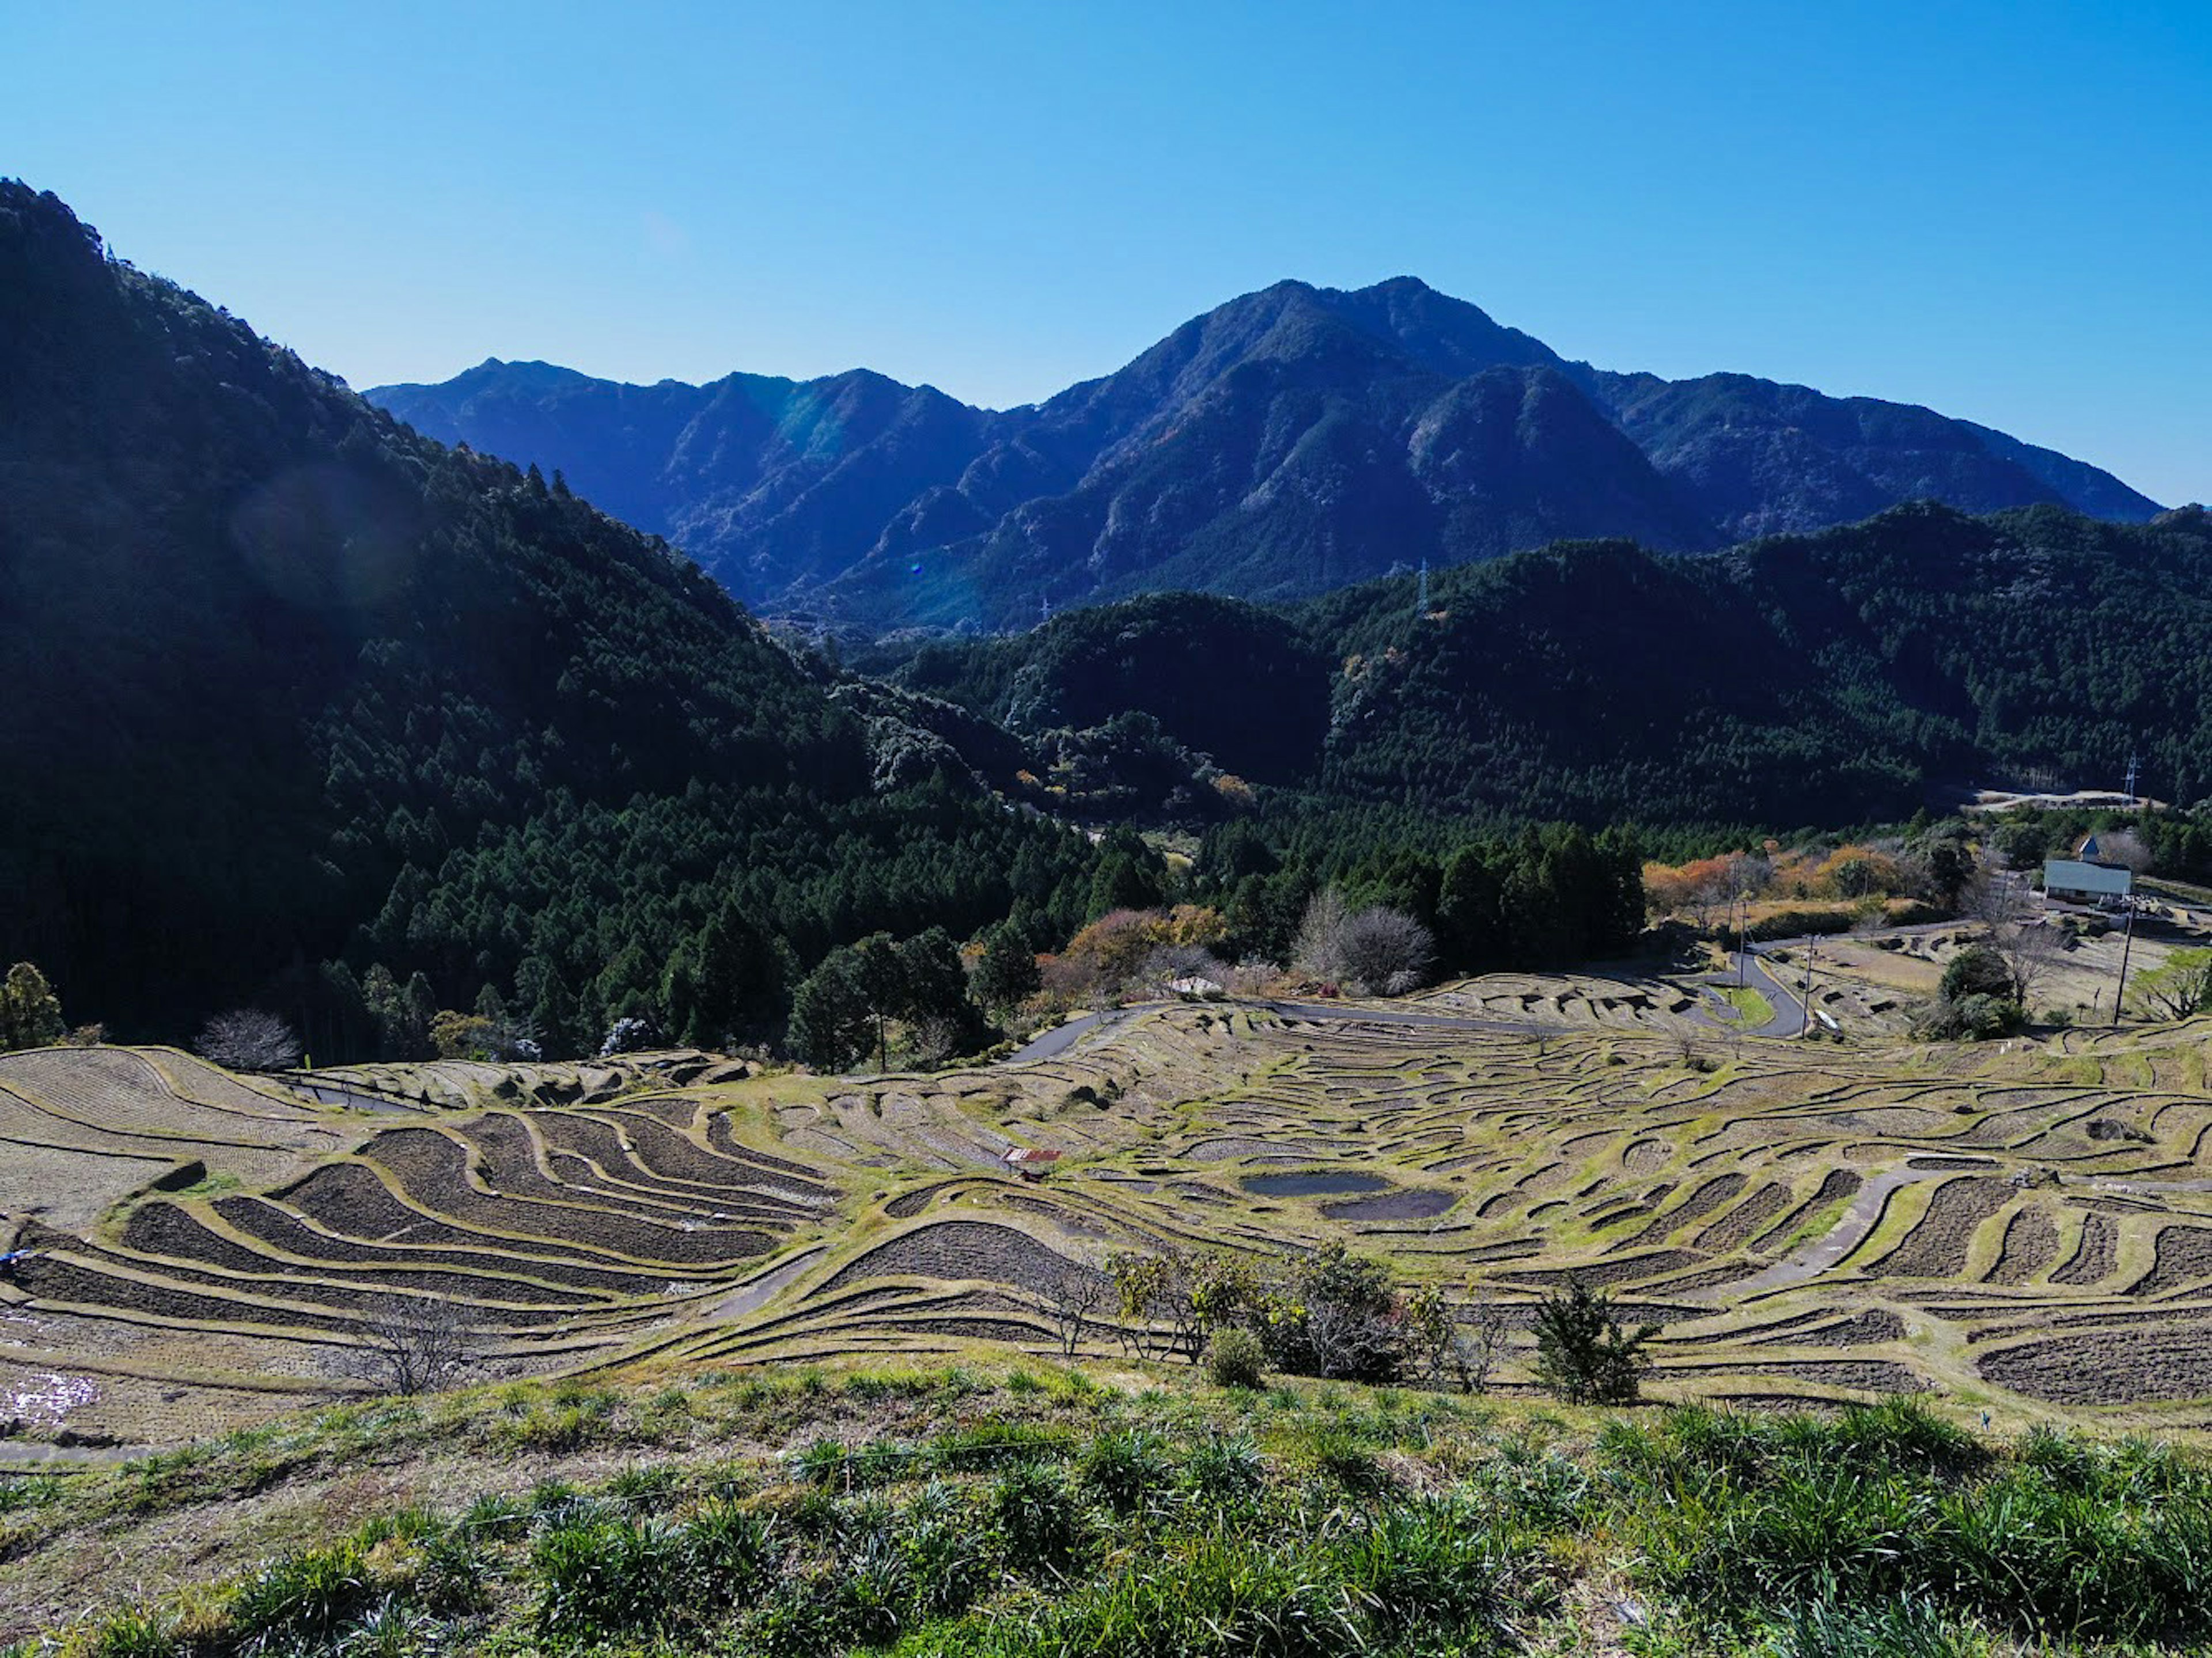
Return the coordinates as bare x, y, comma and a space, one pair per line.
1314, 1182
1393, 1206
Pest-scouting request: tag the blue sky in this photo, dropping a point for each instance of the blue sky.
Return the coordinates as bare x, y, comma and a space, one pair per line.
1998, 209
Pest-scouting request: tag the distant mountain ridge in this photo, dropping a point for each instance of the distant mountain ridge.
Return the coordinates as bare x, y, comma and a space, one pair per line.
1288, 442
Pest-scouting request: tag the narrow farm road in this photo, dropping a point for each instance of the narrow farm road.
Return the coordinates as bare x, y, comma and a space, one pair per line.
1848, 1233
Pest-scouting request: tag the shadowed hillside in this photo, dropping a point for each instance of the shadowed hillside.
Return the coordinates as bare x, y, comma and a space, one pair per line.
1845, 676
289, 682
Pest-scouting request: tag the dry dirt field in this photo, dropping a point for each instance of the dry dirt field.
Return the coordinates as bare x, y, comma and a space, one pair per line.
2023, 1228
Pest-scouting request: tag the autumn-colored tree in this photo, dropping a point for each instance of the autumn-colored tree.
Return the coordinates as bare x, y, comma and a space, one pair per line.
1860, 871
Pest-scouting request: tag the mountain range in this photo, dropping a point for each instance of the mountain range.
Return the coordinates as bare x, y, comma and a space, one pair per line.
1290, 441
306, 707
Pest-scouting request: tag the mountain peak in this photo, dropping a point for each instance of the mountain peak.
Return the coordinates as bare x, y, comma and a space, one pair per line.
1292, 439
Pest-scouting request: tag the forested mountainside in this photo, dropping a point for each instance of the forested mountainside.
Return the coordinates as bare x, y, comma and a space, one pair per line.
289, 685
1292, 442
1828, 679
311, 710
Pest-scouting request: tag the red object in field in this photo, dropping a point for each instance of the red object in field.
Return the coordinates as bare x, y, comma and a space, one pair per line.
1030, 1162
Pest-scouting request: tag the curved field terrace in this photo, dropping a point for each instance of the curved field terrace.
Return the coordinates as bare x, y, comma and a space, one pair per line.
2024, 1229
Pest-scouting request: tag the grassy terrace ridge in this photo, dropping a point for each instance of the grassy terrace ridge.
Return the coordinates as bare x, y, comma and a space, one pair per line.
771, 1361
2019, 1229
1003, 1509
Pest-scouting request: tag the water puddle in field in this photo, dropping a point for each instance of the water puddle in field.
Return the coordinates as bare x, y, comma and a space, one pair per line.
1393, 1206
1314, 1183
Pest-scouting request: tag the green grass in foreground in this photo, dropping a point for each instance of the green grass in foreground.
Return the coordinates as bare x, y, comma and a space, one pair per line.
1049, 1517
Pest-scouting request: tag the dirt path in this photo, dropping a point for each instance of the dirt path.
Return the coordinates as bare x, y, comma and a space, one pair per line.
27, 1456
1818, 1256
748, 1298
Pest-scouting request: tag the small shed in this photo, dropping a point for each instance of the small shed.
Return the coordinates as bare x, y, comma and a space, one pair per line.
2078, 881
1030, 1162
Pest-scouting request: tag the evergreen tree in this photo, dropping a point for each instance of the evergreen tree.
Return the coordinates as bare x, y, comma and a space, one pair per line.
1008, 973
30, 1012
554, 1013
881, 972
1583, 1354
933, 991
726, 985
832, 1019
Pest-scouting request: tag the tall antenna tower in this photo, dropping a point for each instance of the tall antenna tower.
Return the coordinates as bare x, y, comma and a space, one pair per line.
2131, 780
1421, 602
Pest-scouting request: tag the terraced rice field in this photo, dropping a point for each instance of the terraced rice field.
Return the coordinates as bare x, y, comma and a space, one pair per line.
2026, 1230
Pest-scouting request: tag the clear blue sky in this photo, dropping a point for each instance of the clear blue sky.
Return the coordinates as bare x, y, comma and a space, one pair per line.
1997, 208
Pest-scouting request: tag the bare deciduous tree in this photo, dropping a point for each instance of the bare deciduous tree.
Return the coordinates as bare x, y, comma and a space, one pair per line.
413, 1347
1381, 952
1315, 949
2030, 952
248, 1039
1386, 951
1455, 1348
2126, 848
1346, 1339
1170, 963
1073, 1298
2028, 945
1996, 897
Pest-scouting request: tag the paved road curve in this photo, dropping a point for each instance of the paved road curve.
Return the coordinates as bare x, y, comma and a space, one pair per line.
1788, 1020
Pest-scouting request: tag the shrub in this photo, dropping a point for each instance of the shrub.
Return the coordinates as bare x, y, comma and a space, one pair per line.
1336, 1454
1425, 1568
1122, 1468
1226, 1469
1235, 1359
1976, 971
1583, 1355
305, 1597
1381, 952
602, 1578
1040, 1528
947, 1564
1335, 1316
1975, 1018
1902, 1629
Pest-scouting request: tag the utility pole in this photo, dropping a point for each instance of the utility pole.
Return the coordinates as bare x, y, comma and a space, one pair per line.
1812, 966
2127, 943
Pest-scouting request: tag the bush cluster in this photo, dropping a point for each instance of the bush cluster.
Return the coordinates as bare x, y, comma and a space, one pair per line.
1879, 1530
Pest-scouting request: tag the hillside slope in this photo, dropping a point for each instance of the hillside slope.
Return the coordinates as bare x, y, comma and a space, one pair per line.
290, 682
1828, 679
1288, 442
